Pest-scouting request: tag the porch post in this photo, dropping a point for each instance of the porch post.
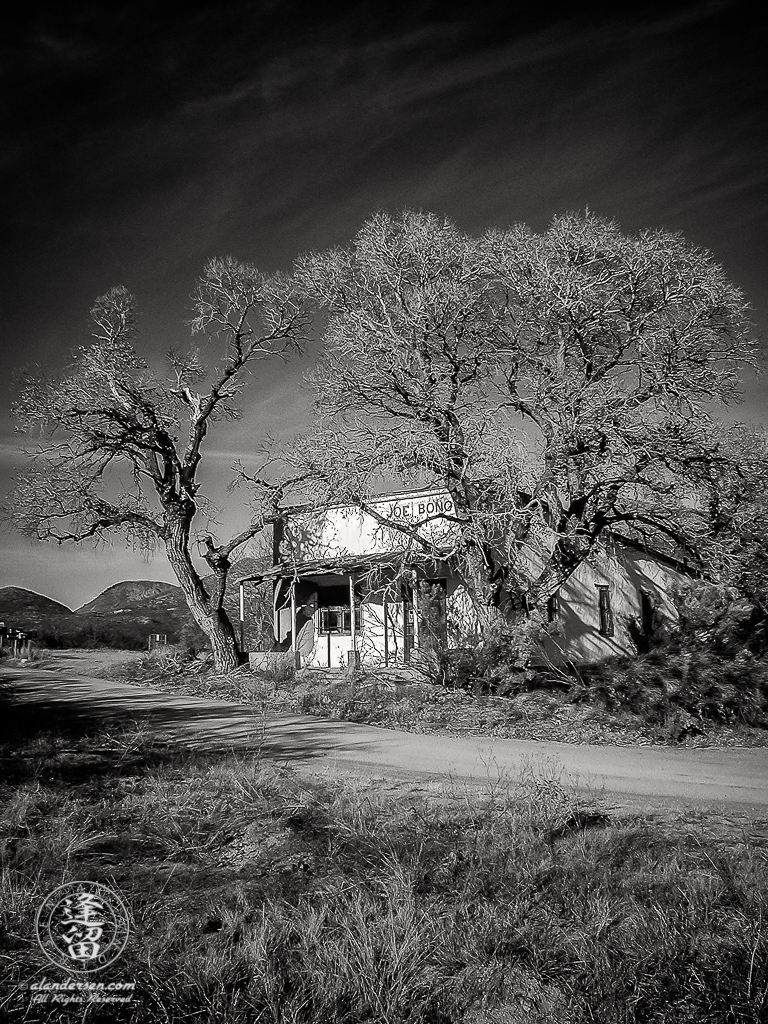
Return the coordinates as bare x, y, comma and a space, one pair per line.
294, 645
242, 616
276, 613
415, 610
352, 629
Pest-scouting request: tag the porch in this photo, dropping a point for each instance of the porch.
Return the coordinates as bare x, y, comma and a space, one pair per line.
333, 614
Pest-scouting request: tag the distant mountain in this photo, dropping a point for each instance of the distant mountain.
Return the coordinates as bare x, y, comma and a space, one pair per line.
141, 598
145, 600
128, 612
24, 609
122, 616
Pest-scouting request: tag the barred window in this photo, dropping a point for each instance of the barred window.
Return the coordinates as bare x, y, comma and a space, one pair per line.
337, 619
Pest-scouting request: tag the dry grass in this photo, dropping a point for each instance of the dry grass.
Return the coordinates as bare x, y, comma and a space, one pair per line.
257, 897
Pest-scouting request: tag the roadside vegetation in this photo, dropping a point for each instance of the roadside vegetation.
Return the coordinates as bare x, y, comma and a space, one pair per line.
259, 896
700, 681
661, 698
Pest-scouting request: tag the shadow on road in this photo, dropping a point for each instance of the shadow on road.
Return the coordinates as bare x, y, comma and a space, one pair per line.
35, 704
43, 701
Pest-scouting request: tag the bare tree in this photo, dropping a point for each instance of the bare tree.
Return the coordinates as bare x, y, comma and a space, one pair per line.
558, 385
122, 445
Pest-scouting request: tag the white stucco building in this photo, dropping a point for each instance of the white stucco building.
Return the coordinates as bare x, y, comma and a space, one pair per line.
346, 587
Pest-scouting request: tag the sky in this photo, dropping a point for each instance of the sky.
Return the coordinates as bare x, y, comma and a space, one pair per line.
140, 140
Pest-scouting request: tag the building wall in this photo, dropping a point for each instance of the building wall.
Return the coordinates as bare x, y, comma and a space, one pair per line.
377, 606
306, 607
336, 649
625, 572
344, 531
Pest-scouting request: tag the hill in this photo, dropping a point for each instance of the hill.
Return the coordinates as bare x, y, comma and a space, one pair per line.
25, 609
141, 598
121, 616
126, 613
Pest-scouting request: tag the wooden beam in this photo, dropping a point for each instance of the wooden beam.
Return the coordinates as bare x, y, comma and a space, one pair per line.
352, 629
415, 611
294, 645
386, 633
275, 614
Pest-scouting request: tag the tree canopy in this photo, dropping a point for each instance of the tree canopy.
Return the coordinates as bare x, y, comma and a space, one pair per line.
560, 385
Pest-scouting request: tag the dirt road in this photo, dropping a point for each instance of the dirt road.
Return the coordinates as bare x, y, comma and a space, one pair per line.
734, 779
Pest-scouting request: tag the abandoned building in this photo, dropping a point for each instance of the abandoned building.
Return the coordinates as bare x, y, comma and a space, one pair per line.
342, 591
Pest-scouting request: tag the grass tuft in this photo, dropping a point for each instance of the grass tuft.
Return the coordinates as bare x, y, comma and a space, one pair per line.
259, 896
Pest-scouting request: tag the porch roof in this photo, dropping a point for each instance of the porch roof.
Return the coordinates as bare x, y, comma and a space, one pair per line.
344, 565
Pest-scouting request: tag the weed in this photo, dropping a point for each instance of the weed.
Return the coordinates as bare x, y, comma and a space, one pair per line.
256, 896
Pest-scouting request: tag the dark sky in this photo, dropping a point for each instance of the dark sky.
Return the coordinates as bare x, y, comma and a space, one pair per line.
139, 141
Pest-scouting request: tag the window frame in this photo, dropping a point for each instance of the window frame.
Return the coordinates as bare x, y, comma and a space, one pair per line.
342, 611
605, 611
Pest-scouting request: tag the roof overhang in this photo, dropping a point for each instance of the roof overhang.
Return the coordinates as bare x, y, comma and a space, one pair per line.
404, 562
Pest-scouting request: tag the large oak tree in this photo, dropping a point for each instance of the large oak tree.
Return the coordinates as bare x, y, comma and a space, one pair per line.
121, 444
560, 385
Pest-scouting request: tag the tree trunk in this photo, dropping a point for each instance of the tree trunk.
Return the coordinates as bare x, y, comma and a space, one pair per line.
223, 642
506, 610
212, 619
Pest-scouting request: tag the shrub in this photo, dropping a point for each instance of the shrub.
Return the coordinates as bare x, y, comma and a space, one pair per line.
499, 664
165, 659
680, 690
704, 669
277, 668
716, 617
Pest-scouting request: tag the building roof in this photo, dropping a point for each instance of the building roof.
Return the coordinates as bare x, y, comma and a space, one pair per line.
342, 565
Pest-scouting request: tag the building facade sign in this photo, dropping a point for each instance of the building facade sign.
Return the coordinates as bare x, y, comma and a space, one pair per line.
421, 508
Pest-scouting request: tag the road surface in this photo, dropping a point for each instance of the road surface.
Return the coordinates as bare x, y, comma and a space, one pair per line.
729, 779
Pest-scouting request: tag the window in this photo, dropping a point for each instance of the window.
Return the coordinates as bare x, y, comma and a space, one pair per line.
336, 619
644, 638
606, 614
333, 614
646, 612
